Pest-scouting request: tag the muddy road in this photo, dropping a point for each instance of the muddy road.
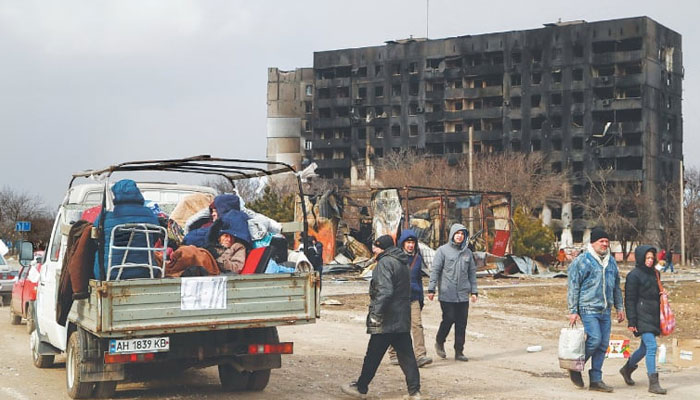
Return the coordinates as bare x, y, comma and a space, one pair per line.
501, 326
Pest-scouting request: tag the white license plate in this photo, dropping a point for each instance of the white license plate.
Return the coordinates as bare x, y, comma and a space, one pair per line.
144, 345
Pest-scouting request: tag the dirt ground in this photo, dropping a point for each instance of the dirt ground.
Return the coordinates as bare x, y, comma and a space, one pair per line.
511, 315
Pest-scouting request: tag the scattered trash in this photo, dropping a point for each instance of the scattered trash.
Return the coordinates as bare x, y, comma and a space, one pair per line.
331, 302
534, 349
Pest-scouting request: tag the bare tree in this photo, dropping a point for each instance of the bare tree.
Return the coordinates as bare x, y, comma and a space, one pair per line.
523, 175
15, 207
691, 204
619, 207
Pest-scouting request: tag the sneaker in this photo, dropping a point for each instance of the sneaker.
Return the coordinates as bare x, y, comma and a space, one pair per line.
440, 350
576, 378
423, 361
414, 396
600, 386
351, 390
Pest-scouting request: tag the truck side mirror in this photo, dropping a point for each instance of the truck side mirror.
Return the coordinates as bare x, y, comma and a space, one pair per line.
26, 253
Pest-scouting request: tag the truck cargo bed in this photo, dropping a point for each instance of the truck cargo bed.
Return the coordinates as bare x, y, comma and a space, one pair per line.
143, 307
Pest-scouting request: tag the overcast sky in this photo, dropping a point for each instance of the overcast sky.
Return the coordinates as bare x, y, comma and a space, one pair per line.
85, 84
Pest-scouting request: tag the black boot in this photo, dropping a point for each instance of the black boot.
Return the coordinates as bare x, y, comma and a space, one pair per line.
654, 386
626, 372
440, 349
600, 386
576, 378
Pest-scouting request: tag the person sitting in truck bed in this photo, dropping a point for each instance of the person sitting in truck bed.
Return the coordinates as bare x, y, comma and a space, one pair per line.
199, 224
229, 240
128, 208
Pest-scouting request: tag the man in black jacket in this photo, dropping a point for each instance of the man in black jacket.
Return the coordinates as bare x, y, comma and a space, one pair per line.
389, 319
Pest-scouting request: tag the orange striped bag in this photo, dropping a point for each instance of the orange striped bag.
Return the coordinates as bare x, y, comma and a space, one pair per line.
668, 320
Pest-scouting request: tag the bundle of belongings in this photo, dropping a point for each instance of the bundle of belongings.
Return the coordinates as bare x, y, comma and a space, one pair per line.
200, 237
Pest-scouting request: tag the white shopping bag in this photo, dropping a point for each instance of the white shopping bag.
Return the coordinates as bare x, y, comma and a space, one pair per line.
572, 348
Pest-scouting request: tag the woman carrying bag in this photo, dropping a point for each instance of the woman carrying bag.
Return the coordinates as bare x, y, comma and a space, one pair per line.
642, 292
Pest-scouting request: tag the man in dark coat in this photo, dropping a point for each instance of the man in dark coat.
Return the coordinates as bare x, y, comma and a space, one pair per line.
389, 319
643, 305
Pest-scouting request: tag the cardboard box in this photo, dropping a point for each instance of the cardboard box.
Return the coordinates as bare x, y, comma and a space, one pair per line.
686, 352
619, 347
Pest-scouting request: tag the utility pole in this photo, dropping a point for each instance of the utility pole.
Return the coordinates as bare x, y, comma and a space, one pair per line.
427, 18
682, 196
471, 176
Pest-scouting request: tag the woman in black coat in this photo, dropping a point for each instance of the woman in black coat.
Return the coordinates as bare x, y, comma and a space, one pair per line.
643, 309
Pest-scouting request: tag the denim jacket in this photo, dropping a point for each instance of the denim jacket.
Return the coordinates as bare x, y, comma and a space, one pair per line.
592, 288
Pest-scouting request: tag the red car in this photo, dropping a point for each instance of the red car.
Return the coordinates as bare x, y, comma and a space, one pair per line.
24, 292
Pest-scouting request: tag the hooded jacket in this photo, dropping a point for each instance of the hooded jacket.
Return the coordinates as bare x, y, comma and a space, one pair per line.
642, 295
415, 263
389, 292
128, 209
454, 270
593, 287
226, 202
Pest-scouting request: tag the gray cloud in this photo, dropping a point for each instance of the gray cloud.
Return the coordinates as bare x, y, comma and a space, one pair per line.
84, 84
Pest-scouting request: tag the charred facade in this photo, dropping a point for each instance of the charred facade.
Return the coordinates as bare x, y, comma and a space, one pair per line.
591, 96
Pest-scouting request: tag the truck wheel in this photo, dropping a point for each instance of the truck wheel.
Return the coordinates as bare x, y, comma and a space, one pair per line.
105, 390
14, 318
74, 357
258, 380
40, 361
30, 318
231, 379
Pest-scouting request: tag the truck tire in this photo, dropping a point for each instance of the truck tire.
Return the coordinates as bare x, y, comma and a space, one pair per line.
232, 380
14, 318
258, 380
40, 361
74, 357
104, 390
30, 317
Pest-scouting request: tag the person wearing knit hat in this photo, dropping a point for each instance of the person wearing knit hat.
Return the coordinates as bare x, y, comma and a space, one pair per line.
593, 290
383, 242
597, 234
388, 319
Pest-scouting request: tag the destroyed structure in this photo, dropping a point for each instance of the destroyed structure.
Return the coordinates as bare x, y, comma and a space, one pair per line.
591, 96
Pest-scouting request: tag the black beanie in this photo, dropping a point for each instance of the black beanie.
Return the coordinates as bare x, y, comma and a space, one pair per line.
384, 242
597, 234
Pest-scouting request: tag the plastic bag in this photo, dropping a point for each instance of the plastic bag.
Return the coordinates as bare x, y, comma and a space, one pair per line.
572, 348
667, 319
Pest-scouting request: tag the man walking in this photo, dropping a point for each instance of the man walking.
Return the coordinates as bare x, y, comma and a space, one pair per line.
454, 275
593, 289
388, 320
408, 241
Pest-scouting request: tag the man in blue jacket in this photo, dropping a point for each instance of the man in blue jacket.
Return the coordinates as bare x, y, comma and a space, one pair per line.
593, 289
408, 242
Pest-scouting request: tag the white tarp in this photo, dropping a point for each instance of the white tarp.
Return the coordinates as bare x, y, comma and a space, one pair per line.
203, 293
3, 248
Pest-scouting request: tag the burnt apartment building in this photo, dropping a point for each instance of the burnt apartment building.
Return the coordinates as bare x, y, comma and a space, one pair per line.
589, 95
